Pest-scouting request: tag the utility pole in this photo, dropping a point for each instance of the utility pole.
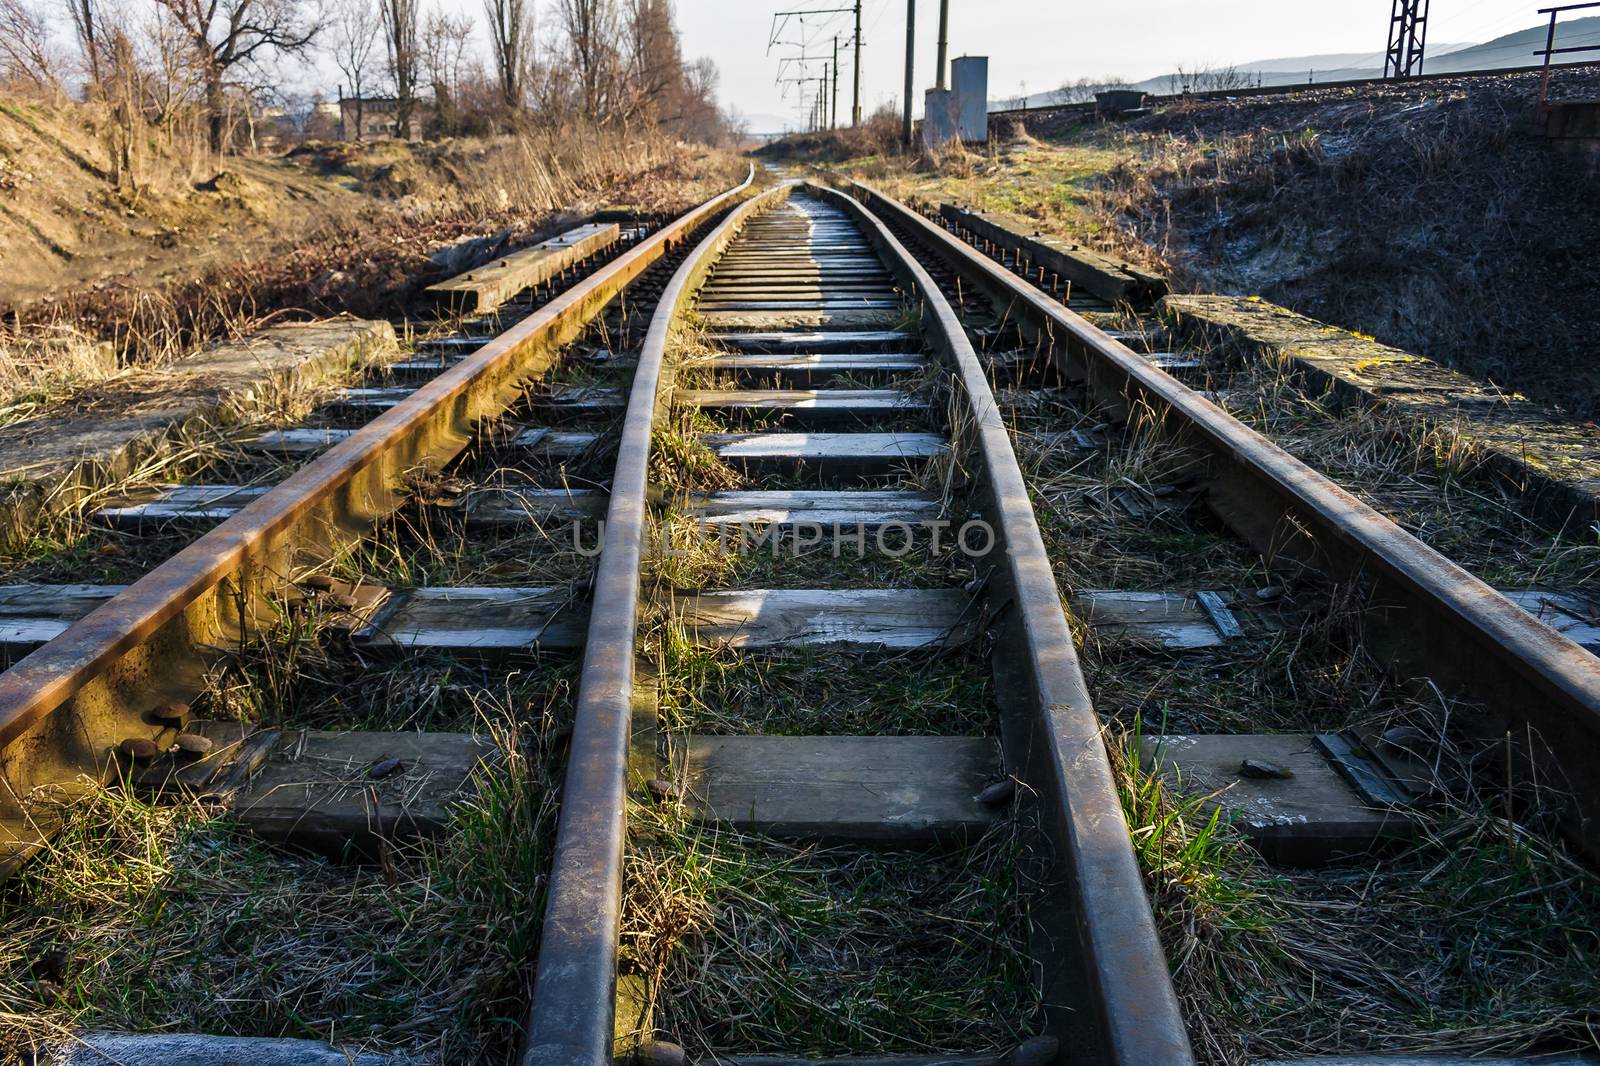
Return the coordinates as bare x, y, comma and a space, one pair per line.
855, 108
1408, 33
944, 42
911, 54
833, 118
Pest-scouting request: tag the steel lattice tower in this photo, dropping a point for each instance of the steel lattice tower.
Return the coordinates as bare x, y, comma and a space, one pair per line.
1408, 32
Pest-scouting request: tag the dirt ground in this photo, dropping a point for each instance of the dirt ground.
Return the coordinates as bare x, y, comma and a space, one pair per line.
321, 229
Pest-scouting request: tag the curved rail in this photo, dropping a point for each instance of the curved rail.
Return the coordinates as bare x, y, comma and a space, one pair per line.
1055, 741
574, 989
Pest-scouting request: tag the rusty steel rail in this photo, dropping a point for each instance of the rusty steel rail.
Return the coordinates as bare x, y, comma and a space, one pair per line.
574, 992
1427, 616
63, 707
1105, 937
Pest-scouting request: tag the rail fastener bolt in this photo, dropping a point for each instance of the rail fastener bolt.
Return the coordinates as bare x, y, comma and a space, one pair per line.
171, 715
139, 749
385, 768
193, 745
999, 794
659, 1053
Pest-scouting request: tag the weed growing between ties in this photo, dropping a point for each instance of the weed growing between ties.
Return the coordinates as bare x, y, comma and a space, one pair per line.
817, 692
148, 917
748, 943
1479, 938
1429, 480
1083, 501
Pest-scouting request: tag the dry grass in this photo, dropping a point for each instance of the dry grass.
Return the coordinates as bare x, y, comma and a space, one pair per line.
1479, 938
754, 945
1476, 939
743, 942
1427, 479
144, 917
1398, 219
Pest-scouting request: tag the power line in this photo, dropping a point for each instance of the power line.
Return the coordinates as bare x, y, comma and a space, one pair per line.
780, 22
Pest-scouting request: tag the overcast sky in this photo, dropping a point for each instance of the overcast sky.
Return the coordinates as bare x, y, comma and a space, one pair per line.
1041, 44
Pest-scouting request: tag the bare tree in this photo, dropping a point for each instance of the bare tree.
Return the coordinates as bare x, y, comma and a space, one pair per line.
1208, 80
511, 35
654, 60
400, 35
86, 26
226, 33
592, 31
444, 50
352, 37
1084, 89
26, 55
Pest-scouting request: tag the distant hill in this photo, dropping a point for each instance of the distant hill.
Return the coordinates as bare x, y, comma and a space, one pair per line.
1512, 50
1516, 49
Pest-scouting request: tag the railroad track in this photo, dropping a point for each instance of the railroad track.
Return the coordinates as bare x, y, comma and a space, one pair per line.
808, 380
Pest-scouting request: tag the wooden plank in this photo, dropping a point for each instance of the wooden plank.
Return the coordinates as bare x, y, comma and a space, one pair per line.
30, 615
806, 406
1169, 620
476, 620
194, 1049
179, 503
761, 321
1310, 817
530, 507
886, 450
331, 792
367, 400
815, 367
741, 302
1174, 363
868, 510
860, 789
296, 442
854, 619
1573, 615
456, 347
793, 288
815, 341
544, 442
582, 401
484, 288
766, 275
420, 368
